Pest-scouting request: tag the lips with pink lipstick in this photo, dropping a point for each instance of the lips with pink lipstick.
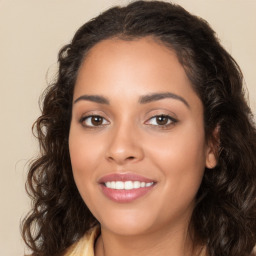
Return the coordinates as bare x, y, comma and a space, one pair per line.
124, 188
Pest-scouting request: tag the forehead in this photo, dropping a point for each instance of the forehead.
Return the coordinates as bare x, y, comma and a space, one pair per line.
131, 67
147, 51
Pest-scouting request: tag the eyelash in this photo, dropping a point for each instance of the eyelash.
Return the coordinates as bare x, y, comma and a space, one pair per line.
85, 118
170, 122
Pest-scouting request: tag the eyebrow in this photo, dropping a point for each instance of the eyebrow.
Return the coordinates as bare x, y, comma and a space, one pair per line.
142, 100
93, 98
159, 96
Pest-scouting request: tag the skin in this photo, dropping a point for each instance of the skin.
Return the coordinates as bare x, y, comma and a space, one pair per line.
174, 156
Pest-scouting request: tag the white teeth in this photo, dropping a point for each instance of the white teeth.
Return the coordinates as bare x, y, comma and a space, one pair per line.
136, 184
119, 185
113, 184
127, 185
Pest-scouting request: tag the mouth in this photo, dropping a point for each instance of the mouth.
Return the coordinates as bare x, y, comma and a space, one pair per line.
127, 185
124, 188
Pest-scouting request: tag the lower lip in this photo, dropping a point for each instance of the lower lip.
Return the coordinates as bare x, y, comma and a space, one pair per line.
123, 195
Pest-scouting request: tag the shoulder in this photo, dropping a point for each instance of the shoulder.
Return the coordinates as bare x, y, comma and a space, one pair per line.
84, 246
253, 253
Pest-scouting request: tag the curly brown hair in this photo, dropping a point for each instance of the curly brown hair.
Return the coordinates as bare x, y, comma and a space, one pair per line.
224, 217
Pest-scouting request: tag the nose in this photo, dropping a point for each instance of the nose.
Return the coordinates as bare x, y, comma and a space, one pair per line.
124, 145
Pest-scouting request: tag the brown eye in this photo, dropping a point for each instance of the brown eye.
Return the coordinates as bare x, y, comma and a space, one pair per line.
96, 120
161, 120
93, 121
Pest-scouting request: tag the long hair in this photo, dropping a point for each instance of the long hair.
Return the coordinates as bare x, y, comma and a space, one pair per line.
224, 218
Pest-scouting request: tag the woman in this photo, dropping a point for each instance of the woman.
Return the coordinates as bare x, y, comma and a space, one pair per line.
148, 145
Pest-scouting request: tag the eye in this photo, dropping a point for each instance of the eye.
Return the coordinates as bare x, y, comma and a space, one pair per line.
93, 121
161, 120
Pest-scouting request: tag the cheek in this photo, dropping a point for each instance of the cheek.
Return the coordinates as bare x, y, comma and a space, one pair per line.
84, 161
184, 148
181, 159
85, 151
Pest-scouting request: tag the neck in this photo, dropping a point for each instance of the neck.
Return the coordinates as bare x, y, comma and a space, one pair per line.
163, 242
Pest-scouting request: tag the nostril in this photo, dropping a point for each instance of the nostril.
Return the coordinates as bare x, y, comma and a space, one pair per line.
131, 157
121, 153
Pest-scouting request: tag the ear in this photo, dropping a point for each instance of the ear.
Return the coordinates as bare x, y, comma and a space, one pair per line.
212, 149
211, 159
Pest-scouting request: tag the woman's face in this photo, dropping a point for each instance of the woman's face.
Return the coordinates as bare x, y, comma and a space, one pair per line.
137, 141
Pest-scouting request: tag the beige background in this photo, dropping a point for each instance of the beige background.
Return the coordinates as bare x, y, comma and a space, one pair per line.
31, 33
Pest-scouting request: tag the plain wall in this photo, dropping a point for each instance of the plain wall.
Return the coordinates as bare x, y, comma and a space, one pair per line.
31, 33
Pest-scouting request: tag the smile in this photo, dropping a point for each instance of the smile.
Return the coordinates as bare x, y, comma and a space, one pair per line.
127, 185
125, 188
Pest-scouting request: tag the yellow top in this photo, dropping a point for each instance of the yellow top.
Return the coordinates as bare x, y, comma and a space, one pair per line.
85, 245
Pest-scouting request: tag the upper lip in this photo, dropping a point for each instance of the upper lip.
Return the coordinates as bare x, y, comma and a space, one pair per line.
124, 177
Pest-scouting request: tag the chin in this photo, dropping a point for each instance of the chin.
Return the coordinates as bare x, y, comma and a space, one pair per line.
127, 223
